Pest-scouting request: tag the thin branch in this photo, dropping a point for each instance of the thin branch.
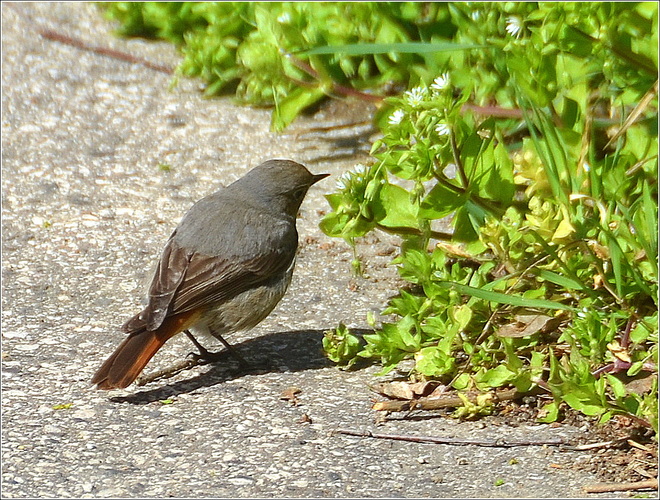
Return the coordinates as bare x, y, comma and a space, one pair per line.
443, 180
649, 484
457, 160
204, 358
115, 54
494, 111
625, 338
170, 371
494, 443
336, 87
635, 114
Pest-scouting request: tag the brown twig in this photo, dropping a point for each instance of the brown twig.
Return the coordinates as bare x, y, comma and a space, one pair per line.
104, 51
450, 401
498, 443
494, 111
649, 484
336, 87
172, 370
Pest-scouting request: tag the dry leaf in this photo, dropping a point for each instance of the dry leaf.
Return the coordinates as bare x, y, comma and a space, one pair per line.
452, 249
289, 394
619, 352
641, 384
527, 325
601, 251
405, 390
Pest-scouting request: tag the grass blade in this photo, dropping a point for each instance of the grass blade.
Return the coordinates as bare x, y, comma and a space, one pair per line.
504, 298
558, 279
362, 49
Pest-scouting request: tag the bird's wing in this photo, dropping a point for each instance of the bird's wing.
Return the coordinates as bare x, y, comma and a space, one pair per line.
186, 280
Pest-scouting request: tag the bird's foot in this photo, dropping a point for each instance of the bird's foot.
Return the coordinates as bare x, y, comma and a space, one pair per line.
205, 357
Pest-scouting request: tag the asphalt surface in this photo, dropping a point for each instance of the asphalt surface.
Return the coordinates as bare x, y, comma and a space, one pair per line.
100, 159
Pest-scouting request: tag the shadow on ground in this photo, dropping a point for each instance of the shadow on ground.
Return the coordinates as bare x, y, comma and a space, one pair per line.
293, 351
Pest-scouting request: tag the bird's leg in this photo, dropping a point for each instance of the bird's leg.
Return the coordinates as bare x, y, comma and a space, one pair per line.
208, 356
203, 358
232, 351
203, 352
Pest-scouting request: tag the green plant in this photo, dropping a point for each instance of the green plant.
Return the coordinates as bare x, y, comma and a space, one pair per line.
258, 50
554, 283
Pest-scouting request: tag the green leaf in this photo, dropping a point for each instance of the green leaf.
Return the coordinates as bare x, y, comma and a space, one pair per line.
462, 382
504, 298
461, 316
440, 202
465, 227
432, 362
340, 345
496, 377
617, 258
415, 265
618, 388
552, 414
500, 178
288, 108
635, 368
557, 279
641, 333
576, 403
551, 152
397, 207
552, 250
408, 341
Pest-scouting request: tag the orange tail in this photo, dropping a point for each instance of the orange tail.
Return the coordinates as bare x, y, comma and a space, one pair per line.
133, 354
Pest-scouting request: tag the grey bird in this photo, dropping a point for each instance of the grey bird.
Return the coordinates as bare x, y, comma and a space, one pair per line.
223, 269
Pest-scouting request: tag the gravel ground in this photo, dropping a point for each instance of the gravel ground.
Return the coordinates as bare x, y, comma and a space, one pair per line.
87, 207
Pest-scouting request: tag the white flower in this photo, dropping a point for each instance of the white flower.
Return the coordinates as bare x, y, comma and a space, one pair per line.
284, 18
443, 129
514, 26
347, 178
360, 169
415, 96
441, 82
343, 181
396, 117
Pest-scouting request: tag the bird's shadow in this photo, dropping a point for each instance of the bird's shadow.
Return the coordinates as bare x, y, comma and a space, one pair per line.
281, 352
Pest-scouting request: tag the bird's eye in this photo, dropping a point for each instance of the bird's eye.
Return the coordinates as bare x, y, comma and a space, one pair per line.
299, 193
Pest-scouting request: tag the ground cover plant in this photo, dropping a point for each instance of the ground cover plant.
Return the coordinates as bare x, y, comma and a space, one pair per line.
532, 125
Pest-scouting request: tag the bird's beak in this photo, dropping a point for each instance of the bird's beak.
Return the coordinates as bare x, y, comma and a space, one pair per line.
318, 177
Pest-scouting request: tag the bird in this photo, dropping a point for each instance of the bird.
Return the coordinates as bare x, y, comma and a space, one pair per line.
223, 269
